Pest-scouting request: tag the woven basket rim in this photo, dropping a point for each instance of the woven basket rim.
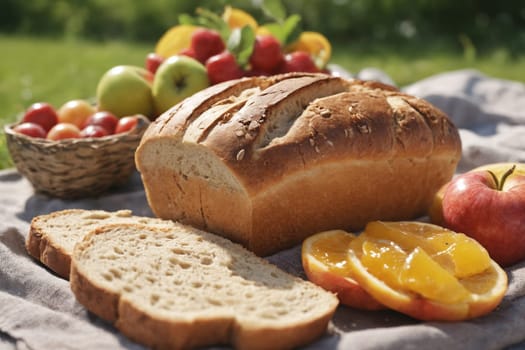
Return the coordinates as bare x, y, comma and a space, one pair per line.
8, 129
76, 167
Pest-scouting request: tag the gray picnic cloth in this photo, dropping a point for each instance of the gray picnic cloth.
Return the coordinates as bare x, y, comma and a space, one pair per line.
38, 310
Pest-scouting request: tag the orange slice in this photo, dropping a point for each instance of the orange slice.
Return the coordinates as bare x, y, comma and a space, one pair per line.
325, 262
174, 40
237, 18
426, 271
316, 44
458, 253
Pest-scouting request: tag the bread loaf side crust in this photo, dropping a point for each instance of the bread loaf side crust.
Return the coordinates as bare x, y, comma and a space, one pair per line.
171, 333
302, 154
43, 248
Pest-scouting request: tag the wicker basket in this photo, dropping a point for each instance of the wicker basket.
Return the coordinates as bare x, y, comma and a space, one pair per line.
75, 168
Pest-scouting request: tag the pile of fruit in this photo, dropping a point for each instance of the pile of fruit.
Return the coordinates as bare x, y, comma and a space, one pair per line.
237, 46
430, 271
202, 50
208, 49
75, 119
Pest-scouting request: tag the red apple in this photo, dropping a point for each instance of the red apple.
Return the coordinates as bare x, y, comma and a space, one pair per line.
267, 54
30, 129
488, 205
223, 67
206, 43
153, 62
41, 113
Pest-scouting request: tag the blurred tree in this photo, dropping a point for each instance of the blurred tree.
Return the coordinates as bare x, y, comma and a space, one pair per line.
483, 22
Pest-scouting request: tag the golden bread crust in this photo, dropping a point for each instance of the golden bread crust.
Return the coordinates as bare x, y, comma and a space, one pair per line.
284, 157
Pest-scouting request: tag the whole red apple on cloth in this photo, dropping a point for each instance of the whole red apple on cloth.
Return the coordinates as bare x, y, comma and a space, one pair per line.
488, 204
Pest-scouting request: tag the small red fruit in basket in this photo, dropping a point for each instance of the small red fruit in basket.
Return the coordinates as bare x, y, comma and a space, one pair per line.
104, 119
299, 61
223, 67
126, 124
153, 62
41, 113
206, 43
93, 131
63, 131
30, 129
267, 54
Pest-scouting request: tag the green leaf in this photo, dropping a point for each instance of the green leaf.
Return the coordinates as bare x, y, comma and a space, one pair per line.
274, 9
286, 32
292, 29
214, 21
207, 19
240, 44
187, 19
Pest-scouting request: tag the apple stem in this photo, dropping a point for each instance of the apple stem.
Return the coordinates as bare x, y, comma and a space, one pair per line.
500, 183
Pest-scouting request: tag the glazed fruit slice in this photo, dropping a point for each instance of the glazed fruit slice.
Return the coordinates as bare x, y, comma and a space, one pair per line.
325, 263
426, 271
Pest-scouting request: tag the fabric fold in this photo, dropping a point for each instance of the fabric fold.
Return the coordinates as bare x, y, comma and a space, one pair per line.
38, 310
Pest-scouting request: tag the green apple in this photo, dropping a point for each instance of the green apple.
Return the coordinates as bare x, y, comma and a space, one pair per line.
126, 90
176, 78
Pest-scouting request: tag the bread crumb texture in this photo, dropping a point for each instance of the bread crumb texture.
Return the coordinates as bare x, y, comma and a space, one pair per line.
187, 276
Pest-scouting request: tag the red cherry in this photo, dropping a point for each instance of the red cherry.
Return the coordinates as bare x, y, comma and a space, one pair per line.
298, 61
43, 114
93, 131
30, 129
153, 62
188, 52
266, 55
223, 67
125, 124
105, 119
206, 43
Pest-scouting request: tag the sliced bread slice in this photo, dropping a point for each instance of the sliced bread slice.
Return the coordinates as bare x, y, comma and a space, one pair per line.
52, 236
179, 287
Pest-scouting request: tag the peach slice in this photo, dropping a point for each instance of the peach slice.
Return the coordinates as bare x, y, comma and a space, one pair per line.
426, 271
324, 258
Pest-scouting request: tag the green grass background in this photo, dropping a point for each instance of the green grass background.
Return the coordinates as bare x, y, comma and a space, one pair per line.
57, 70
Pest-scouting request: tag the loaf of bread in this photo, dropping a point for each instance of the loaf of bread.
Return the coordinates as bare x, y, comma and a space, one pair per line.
52, 236
267, 162
178, 288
